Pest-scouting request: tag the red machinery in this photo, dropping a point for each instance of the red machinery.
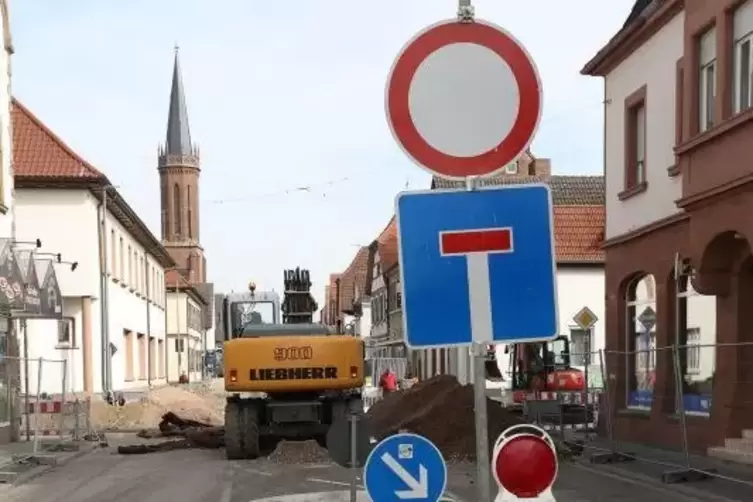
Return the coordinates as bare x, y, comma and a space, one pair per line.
543, 367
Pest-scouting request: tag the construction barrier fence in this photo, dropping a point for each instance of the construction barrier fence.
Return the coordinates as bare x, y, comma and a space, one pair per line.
659, 405
50, 417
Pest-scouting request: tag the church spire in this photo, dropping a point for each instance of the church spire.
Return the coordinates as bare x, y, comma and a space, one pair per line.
178, 149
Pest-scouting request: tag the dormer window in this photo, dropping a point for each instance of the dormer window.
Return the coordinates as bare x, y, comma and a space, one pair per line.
511, 168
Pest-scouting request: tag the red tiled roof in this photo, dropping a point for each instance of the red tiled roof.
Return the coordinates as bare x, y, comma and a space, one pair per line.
175, 281
41, 158
354, 278
387, 245
38, 152
578, 233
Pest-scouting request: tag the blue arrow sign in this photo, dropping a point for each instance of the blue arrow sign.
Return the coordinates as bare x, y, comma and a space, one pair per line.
405, 467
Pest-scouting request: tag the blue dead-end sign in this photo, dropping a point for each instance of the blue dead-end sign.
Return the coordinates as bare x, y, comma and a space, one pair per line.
405, 467
477, 266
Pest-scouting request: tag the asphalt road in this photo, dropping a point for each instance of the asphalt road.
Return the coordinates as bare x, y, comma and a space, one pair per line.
205, 476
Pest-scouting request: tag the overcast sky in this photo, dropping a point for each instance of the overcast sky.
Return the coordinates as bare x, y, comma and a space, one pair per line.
282, 94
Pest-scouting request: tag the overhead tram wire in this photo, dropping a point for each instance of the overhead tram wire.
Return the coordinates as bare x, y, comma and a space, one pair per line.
316, 187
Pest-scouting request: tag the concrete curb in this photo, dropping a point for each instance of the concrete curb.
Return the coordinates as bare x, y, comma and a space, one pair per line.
56, 461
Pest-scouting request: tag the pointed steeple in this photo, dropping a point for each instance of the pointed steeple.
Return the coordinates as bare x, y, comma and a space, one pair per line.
178, 148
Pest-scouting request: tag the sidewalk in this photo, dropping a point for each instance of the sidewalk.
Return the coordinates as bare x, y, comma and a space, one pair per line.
725, 480
18, 465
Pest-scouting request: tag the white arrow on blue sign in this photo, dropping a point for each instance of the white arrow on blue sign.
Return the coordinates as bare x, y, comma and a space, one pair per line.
405, 467
477, 266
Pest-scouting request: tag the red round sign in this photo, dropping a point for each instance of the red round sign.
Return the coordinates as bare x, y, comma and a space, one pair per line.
526, 466
463, 99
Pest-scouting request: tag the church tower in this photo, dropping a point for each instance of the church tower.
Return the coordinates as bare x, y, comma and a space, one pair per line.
179, 168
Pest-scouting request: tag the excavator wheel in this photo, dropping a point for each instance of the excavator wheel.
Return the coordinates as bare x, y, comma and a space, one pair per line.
241, 431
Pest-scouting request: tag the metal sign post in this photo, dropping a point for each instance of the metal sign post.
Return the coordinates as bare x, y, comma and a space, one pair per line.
463, 100
585, 319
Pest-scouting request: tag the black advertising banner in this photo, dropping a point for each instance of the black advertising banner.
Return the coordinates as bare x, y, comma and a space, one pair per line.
11, 279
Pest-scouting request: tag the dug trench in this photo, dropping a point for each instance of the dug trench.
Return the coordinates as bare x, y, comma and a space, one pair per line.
439, 408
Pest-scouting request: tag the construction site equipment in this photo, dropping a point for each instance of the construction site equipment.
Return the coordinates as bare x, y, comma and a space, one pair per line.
543, 368
288, 380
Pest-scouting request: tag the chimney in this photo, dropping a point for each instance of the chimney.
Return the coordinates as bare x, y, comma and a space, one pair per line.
542, 167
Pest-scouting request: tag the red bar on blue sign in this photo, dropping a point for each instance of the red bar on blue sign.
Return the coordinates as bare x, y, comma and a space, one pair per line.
476, 241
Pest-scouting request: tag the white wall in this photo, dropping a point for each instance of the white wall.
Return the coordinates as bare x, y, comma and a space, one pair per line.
653, 65
6, 142
39, 214
177, 324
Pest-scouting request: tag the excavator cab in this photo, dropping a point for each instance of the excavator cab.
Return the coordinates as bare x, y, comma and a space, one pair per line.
533, 363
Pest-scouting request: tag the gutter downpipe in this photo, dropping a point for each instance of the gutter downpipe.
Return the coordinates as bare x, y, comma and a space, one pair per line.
148, 302
104, 293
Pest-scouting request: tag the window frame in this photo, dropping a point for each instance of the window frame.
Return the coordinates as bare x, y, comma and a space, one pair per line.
707, 79
738, 80
631, 305
636, 124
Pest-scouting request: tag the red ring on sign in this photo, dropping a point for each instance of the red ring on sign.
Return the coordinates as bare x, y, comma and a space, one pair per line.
398, 95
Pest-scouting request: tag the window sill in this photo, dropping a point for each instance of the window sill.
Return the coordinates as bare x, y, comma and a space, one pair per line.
633, 191
127, 379
65, 346
644, 413
673, 170
717, 130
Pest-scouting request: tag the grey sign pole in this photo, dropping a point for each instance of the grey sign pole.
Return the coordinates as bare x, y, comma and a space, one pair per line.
478, 351
353, 419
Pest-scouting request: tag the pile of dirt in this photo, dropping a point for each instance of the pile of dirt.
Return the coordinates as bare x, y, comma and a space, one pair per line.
196, 403
299, 452
441, 410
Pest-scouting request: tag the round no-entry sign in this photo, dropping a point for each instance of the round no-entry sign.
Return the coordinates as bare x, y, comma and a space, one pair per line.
463, 99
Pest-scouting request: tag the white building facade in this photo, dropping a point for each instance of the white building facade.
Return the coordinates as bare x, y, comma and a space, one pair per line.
185, 333
6, 209
114, 297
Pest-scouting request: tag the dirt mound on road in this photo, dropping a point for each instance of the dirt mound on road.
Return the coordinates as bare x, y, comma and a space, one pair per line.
442, 410
197, 403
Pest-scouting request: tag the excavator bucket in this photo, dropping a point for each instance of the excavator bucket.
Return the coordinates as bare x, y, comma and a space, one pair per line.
492, 370
490, 365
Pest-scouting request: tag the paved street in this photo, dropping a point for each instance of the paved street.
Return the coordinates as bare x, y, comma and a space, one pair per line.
205, 476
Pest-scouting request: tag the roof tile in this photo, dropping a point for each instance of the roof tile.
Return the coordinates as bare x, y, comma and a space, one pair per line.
38, 152
579, 233
566, 190
353, 280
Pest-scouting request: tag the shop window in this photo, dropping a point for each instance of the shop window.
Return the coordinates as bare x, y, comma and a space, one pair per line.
641, 342
697, 344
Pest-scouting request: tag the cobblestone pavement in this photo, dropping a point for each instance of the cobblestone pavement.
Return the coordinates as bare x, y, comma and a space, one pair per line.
206, 476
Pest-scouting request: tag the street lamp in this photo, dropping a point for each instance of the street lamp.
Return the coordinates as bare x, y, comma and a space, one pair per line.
59, 259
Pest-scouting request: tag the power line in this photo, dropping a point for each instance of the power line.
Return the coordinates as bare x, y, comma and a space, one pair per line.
338, 181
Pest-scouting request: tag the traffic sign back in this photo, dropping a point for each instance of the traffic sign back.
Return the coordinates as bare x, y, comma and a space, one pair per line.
463, 99
477, 265
405, 467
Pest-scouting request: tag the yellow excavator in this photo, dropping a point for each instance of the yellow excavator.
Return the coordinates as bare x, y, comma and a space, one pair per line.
289, 379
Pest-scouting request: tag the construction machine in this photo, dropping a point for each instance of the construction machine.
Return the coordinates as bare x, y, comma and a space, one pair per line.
541, 368
289, 378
